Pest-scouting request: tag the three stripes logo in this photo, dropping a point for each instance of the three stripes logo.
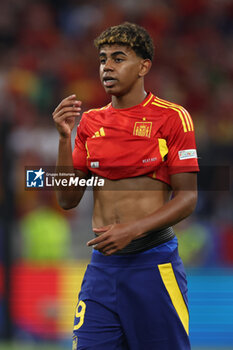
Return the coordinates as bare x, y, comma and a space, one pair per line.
99, 133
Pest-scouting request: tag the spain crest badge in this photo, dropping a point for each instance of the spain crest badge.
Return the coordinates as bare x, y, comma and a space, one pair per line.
142, 129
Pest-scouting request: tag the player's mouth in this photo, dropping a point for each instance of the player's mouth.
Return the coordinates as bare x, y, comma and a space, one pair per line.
109, 81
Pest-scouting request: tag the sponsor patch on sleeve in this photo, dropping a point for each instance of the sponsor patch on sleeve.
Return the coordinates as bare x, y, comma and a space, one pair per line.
187, 154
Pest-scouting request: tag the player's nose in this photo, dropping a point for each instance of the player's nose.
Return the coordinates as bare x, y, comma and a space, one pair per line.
108, 66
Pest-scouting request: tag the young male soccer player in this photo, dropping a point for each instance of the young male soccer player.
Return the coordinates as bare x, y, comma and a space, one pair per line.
134, 292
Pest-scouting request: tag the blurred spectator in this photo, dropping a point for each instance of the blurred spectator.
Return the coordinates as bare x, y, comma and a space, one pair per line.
195, 242
46, 235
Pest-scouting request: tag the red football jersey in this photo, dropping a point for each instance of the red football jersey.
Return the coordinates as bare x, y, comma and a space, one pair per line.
155, 138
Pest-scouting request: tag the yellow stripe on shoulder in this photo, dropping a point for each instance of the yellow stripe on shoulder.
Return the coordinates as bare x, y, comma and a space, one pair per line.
98, 109
186, 114
175, 109
146, 103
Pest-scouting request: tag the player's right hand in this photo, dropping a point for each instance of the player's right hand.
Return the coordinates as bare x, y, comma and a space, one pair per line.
65, 114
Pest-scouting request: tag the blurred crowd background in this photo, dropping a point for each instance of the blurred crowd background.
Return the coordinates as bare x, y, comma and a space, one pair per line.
47, 53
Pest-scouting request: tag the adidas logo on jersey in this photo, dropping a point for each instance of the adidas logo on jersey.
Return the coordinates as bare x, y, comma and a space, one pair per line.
99, 133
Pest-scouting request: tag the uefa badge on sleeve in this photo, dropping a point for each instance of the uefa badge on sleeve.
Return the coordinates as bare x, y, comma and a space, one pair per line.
35, 178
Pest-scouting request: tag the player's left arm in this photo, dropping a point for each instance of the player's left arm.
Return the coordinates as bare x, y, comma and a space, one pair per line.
182, 167
181, 205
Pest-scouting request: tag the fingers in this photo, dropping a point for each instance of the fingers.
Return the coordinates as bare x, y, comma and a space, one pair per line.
68, 101
110, 251
69, 104
67, 112
97, 240
101, 229
105, 247
102, 238
68, 107
103, 243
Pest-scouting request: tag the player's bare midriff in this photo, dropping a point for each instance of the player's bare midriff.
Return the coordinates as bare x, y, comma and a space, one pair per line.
121, 201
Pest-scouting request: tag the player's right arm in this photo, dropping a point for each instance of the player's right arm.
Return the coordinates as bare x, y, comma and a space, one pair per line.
64, 117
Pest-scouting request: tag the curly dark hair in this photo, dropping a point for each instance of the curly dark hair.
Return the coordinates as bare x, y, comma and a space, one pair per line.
128, 34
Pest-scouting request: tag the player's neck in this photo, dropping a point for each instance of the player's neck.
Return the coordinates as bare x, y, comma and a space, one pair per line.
128, 100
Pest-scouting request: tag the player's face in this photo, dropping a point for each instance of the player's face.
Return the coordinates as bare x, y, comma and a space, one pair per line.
120, 69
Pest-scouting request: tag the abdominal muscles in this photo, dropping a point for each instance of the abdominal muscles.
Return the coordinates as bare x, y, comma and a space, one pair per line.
127, 200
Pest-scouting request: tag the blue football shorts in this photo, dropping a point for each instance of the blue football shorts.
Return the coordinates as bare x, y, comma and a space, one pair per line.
133, 302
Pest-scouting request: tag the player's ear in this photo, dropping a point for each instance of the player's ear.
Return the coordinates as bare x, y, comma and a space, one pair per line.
145, 66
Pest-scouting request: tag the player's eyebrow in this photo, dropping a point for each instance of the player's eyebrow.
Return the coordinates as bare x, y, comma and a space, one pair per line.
113, 54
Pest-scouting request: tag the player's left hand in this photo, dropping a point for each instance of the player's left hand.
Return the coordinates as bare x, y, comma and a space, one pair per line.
112, 238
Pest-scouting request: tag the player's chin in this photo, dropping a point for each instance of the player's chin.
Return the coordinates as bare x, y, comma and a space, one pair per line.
115, 92
112, 90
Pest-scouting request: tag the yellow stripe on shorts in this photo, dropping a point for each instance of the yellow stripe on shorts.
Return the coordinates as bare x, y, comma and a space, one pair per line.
170, 282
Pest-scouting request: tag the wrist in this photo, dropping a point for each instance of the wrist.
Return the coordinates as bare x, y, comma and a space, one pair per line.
64, 138
136, 229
